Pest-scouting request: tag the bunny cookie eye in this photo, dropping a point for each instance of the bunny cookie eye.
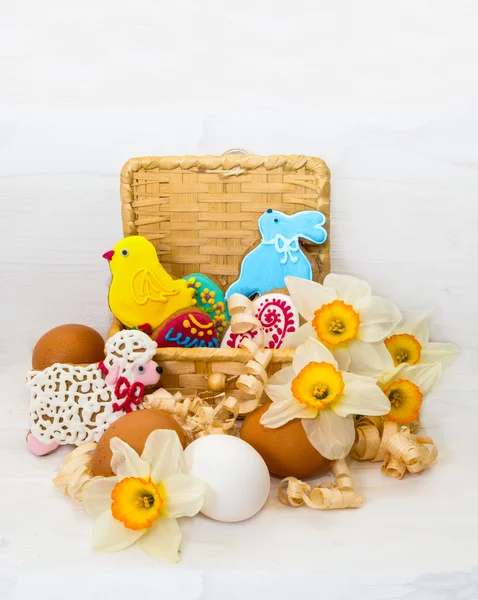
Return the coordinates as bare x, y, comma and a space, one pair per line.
124, 252
276, 220
140, 369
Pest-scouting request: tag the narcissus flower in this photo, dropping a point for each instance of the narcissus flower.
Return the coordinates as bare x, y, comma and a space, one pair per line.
325, 398
406, 386
409, 343
141, 504
345, 317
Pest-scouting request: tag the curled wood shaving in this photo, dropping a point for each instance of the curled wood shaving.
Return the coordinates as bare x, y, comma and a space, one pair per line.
196, 416
255, 379
398, 448
75, 471
329, 496
408, 451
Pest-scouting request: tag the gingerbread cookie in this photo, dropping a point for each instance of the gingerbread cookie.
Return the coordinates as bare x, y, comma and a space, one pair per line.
278, 317
142, 294
71, 404
210, 298
279, 254
187, 329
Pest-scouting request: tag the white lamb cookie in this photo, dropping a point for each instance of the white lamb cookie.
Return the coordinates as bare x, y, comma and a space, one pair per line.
74, 405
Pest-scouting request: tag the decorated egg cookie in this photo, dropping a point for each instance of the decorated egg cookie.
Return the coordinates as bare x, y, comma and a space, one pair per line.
187, 329
210, 298
278, 317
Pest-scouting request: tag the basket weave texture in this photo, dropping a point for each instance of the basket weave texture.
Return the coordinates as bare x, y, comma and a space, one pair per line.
201, 214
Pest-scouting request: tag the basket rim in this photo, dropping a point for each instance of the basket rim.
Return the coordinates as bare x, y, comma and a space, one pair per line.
237, 355
250, 162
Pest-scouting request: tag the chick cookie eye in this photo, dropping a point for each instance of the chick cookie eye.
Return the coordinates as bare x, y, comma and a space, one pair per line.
124, 252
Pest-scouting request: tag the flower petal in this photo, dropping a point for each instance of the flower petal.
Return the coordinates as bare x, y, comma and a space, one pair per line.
280, 413
301, 335
110, 535
125, 462
419, 327
361, 396
389, 375
332, 436
439, 352
311, 351
282, 377
378, 319
164, 452
279, 393
307, 296
342, 356
162, 540
350, 289
184, 495
424, 376
369, 359
96, 495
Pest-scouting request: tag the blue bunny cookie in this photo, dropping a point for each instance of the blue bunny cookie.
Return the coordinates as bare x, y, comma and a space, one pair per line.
210, 298
279, 253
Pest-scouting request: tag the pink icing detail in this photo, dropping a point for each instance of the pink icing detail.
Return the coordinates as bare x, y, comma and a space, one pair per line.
112, 376
39, 448
236, 338
147, 374
132, 392
102, 368
277, 316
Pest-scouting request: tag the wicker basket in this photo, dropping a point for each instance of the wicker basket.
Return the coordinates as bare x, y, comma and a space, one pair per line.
201, 214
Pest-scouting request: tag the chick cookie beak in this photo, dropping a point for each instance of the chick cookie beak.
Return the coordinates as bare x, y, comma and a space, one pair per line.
109, 255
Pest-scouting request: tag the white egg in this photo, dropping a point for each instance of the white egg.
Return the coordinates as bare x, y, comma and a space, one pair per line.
236, 477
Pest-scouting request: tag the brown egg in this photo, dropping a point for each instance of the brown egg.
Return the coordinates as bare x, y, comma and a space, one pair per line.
134, 429
73, 344
286, 450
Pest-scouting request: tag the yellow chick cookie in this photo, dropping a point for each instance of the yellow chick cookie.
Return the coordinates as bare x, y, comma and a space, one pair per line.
142, 294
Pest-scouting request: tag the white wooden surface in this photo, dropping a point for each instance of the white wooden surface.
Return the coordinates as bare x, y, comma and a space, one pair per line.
386, 93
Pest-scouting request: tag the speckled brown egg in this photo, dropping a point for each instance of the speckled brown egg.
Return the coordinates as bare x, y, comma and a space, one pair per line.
286, 450
72, 344
134, 429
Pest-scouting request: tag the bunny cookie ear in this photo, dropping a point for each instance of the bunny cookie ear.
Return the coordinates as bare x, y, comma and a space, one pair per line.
113, 375
308, 225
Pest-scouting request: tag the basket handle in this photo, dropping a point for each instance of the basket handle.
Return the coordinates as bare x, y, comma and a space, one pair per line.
231, 172
240, 151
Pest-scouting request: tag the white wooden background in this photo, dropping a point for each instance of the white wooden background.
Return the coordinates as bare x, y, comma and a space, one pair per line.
387, 94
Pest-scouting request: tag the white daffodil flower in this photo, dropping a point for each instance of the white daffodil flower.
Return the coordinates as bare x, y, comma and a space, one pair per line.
141, 504
326, 399
345, 316
405, 386
409, 343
